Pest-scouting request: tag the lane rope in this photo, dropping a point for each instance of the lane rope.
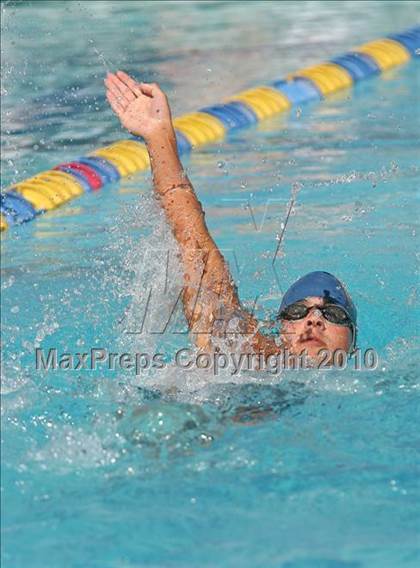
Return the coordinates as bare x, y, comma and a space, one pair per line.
50, 189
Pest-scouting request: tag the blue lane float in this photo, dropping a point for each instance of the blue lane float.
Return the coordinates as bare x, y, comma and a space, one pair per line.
234, 114
410, 39
183, 145
359, 66
16, 208
298, 90
245, 111
229, 117
103, 167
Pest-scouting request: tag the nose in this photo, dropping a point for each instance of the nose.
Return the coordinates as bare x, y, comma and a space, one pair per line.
314, 319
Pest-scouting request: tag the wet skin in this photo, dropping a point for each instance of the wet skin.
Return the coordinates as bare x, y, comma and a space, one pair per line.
314, 333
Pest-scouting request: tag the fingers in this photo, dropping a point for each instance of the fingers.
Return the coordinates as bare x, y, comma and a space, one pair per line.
150, 89
129, 88
119, 88
117, 105
129, 82
146, 88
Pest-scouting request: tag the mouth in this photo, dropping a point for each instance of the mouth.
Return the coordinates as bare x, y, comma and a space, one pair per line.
312, 340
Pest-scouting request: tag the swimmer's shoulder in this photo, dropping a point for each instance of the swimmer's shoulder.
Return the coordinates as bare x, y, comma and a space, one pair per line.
267, 345
260, 338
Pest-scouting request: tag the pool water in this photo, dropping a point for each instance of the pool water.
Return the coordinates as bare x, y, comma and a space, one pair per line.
178, 467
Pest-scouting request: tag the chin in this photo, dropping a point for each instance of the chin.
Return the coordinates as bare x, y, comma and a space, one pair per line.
313, 353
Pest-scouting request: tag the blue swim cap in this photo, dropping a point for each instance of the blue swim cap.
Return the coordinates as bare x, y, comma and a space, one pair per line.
324, 285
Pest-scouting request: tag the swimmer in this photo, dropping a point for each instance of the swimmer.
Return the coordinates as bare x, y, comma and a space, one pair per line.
316, 313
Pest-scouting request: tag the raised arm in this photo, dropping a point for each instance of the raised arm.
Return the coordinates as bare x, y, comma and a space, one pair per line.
209, 295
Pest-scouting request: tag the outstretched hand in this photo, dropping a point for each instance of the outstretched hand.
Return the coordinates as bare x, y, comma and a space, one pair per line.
142, 108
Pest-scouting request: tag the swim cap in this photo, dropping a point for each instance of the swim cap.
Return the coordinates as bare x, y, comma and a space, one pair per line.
324, 285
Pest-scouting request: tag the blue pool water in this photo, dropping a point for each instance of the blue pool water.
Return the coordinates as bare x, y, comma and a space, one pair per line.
184, 468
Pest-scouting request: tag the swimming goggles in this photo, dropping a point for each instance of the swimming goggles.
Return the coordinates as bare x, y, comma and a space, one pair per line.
331, 312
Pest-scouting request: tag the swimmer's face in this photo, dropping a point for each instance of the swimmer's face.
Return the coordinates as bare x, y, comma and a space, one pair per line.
314, 333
